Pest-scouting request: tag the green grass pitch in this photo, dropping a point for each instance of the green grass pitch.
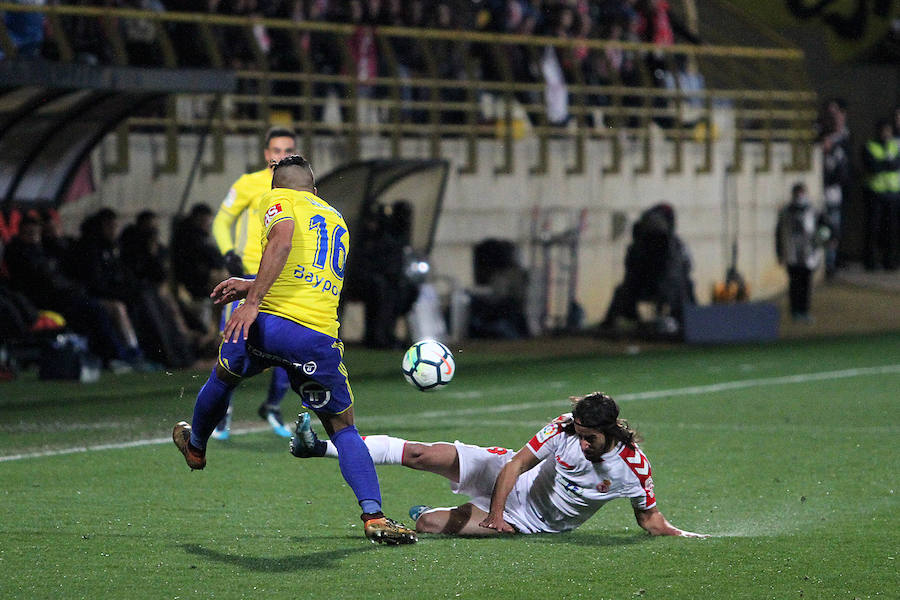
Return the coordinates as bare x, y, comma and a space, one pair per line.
786, 453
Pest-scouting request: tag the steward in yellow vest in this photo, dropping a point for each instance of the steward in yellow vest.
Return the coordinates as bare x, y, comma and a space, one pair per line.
881, 159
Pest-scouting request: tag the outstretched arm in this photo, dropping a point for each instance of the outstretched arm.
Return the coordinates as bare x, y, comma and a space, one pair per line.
506, 480
655, 523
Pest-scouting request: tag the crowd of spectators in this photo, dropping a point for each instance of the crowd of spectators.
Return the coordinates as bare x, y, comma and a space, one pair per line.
625, 20
137, 305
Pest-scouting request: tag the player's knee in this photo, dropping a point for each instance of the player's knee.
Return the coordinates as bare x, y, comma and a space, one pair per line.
419, 456
431, 522
228, 378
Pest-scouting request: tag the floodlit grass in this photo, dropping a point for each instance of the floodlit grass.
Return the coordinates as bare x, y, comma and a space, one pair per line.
794, 475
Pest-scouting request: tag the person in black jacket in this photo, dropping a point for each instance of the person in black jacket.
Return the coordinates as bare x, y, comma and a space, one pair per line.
96, 264
162, 330
196, 261
657, 269
197, 265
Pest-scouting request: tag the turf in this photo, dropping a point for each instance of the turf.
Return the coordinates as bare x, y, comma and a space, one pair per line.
794, 475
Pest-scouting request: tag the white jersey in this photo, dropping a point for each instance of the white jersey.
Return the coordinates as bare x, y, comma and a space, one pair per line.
565, 489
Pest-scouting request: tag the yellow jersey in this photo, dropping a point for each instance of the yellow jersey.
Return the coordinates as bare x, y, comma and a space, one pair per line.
237, 224
309, 287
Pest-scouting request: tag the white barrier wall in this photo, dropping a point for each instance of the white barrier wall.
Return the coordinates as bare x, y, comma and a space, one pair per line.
712, 208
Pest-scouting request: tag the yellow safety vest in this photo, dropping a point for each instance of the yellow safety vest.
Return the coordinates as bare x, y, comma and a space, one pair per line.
884, 181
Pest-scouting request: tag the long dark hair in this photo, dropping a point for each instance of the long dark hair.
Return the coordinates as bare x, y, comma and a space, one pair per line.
599, 411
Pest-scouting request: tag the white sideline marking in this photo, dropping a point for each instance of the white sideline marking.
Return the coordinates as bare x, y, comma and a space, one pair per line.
648, 395
686, 391
117, 445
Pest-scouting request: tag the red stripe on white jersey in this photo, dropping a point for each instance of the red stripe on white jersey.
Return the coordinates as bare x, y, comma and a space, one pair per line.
640, 466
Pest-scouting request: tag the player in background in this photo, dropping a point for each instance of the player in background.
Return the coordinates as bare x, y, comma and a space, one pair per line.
237, 230
289, 318
557, 481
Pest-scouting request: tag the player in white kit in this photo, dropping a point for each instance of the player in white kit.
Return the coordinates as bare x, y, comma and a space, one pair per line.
557, 481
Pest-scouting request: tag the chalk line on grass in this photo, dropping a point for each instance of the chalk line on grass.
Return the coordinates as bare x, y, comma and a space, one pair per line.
695, 390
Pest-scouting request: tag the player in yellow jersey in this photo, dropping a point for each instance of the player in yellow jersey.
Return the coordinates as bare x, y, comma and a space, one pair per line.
289, 318
237, 229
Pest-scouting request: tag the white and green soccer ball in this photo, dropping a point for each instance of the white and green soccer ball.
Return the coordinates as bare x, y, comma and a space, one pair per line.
428, 365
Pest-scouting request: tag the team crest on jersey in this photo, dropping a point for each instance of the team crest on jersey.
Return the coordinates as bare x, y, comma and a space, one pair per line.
603, 486
310, 367
273, 212
648, 485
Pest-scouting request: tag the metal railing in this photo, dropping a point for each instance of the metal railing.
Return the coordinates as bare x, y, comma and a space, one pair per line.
443, 94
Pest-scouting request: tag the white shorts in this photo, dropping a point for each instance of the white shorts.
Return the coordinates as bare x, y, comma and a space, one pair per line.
478, 470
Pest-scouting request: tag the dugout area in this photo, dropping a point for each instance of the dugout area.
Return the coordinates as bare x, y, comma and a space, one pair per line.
355, 188
53, 115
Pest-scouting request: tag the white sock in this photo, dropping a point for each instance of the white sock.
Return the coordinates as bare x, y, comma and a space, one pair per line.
385, 450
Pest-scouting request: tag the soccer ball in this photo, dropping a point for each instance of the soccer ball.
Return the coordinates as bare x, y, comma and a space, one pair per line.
428, 365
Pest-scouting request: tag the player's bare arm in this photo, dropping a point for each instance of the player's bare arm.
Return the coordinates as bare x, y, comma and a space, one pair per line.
524, 460
273, 260
655, 523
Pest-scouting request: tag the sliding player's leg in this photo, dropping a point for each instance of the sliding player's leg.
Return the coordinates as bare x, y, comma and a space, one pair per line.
460, 520
438, 457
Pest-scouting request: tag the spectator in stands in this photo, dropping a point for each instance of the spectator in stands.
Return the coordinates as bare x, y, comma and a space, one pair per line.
141, 251
451, 65
95, 259
58, 247
497, 308
163, 332
25, 30
557, 66
34, 274
881, 160
189, 46
96, 262
410, 63
379, 273
86, 35
363, 53
800, 234
657, 269
197, 265
325, 55
521, 19
653, 24
140, 35
836, 172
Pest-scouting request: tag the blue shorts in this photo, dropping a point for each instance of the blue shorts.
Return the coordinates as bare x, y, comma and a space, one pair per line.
313, 360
